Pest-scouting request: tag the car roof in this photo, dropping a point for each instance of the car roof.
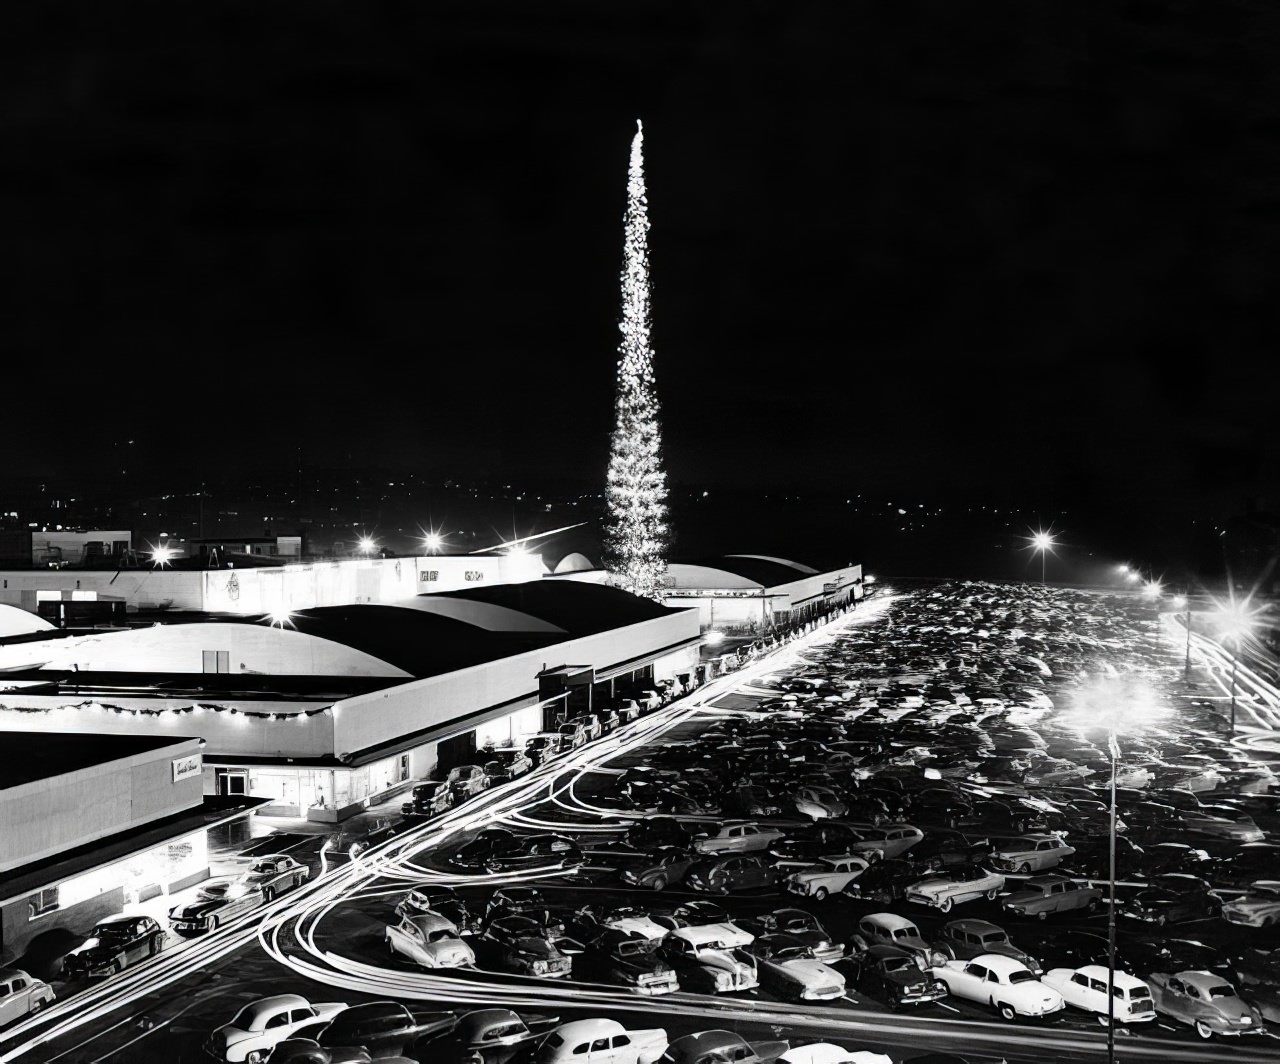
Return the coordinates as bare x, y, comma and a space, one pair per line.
278, 1001
998, 962
970, 924
1099, 971
890, 920
700, 933
430, 920
1201, 979
593, 1028
1050, 878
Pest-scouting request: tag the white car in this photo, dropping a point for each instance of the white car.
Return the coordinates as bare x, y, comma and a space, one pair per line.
21, 995
819, 803
1030, 853
830, 875
254, 1031
431, 940
1258, 907
1086, 988
945, 888
886, 840
1001, 982
601, 1041
827, 1053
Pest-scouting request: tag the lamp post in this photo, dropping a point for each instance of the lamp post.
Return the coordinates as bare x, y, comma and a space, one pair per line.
1178, 603
1113, 749
1042, 541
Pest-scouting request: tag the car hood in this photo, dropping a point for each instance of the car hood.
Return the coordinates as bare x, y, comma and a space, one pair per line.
449, 951
1007, 950
197, 908
724, 960
813, 972
640, 925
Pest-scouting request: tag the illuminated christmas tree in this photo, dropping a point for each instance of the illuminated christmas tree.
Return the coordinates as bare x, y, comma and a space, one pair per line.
635, 532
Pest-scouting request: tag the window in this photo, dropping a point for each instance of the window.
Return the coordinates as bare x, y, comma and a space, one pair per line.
1098, 985
280, 1019
46, 901
216, 660
620, 1040
581, 1048
298, 1015
977, 971
599, 1044
1080, 980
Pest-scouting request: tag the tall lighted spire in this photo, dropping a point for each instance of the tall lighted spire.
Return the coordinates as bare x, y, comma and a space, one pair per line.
636, 534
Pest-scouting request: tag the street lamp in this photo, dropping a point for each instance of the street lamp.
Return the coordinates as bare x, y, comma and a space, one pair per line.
1179, 601
1238, 623
1042, 542
1114, 702
432, 541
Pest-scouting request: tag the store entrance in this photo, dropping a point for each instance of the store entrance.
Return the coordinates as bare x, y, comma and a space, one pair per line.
232, 780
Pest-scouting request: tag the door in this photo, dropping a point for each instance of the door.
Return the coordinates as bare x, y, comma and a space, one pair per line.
232, 781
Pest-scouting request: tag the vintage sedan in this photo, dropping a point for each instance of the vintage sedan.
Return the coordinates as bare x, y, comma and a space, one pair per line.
830, 1053
632, 919
441, 899
619, 957
427, 800
818, 802
466, 781
1086, 988
891, 974
1239, 829
601, 1041
736, 836
1042, 895
950, 886
546, 851
706, 962
789, 968
113, 945
488, 1036
1006, 985
717, 1047
962, 940
21, 995
482, 846
721, 875
1205, 1001
430, 940
217, 902
797, 923
884, 881
890, 929
890, 839
260, 1025
270, 875
537, 955
829, 875
659, 868
515, 763
1259, 906
1030, 853
1174, 897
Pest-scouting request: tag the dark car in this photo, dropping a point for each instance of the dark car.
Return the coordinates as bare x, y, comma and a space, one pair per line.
1092, 858
963, 940
1250, 862
382, 1028
626, 959
730, 872
1149, 953
1000, 817
885, 881
892, 975
113, 945
1172, 898
542, 851
486, 1036
659, 868
947, 848
697, 913
309, 1051
541, 748
799, 924
656, 831
514, 899
428, 799
683, 800
477, 852
719, 1047
443, 900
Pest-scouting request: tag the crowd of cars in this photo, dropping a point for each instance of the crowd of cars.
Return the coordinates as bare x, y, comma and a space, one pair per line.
932, 771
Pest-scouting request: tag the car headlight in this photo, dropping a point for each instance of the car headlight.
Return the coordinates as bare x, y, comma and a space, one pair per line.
723, 980
540, 967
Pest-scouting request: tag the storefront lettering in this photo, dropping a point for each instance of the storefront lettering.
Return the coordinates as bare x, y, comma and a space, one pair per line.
428, 575
186, 767
474, 574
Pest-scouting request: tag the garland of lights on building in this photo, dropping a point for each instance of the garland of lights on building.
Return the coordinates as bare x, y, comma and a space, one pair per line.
636, 533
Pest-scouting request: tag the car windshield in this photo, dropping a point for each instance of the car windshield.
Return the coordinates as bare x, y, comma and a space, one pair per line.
1021, 976
1222, 990
898, 964
505, 1030
111, 931
794, 953
994, 937
633, 948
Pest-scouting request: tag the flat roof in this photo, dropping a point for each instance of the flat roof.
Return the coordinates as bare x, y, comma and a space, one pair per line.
29, 756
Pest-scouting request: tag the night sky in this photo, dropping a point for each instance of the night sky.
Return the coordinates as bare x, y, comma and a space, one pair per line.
946, 249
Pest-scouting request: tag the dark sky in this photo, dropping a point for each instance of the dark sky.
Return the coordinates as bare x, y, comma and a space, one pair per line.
948, 247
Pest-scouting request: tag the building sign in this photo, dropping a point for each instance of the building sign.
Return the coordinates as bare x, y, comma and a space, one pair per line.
428, 576
830, 589
186, 767
474, 574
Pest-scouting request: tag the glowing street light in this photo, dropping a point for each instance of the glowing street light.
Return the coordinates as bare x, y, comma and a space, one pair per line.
1043, 542
433, 541
1237, 626
163, 554
366, 545
1118, 703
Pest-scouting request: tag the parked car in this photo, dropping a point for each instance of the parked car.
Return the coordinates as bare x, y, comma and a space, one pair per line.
217, 901
706, 963
962, 940
542, 748
591, 725
789, 968
441, 899
1174, 897
1240, 829
661, 831
1248, 863
632, 919
523, 947
818, 802
717, 1047
1257, 973
627, 959
797, 923
428, 799
736, 836
752, 800
262, 1024
1206, 1001
659, 868
466, 781
514, 898
946, 848
950, 886
302, 1050
113, 945
430, 940
1001, 982
827, 876
888, 839
382, 1028
1030, 853
1086, 988
1259, 906
699, 913
890, 929
1042, 895
271, 875
488, 1036
476, 852
21, 995
601, 1041
891, 974
885, 881
721, 875
543, 851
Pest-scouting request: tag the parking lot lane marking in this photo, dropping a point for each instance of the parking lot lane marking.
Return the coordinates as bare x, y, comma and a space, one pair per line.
946, 1006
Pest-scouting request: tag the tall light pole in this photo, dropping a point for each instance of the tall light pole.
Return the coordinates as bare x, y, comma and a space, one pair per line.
1179, 602
1113, 749
1042, 542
